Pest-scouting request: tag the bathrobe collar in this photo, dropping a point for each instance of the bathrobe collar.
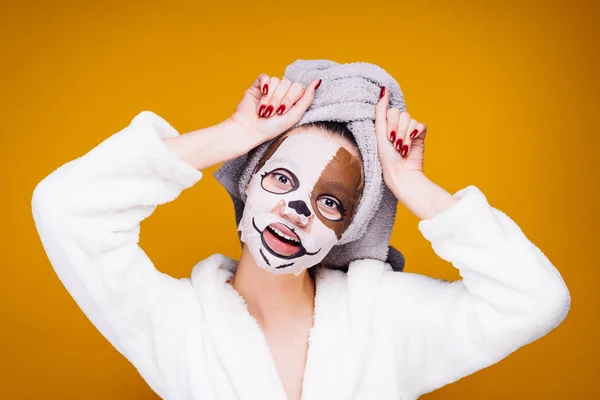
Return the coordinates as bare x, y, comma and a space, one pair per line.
336, 350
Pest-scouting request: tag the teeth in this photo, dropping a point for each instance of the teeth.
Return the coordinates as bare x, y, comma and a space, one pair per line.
283, 235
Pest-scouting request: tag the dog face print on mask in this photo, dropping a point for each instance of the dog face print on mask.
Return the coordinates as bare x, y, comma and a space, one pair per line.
301, 199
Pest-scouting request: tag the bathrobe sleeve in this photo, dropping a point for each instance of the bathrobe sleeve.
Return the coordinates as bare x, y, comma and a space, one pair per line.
88, 213
510, 294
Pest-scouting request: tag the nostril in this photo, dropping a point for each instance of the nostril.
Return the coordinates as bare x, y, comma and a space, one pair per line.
300, 207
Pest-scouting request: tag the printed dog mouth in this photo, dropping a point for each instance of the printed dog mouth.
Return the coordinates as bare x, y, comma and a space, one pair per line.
281, 241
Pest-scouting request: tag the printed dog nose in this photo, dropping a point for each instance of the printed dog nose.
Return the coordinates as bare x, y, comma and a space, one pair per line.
300, 207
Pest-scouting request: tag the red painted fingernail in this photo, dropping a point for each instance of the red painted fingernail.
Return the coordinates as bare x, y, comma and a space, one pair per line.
382, 92
392, 136
262, 114
281, 109
398, 144
269, 110
414, 133
261, 109
265, 89
318, 84
404, 151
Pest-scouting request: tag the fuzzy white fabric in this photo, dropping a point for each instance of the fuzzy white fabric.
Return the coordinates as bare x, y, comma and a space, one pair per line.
378, 334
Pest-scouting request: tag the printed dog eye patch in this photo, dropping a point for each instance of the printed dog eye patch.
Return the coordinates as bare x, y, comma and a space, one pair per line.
341, 178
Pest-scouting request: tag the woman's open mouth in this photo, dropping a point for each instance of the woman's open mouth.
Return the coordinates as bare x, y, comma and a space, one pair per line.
282, 240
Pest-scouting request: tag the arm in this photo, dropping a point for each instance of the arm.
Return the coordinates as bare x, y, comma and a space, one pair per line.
510, 294
88, 214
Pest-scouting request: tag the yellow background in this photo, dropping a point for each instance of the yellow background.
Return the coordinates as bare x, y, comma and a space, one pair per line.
509, 90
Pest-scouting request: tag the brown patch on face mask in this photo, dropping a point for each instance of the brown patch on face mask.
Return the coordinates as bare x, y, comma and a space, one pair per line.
341, 178
272, 148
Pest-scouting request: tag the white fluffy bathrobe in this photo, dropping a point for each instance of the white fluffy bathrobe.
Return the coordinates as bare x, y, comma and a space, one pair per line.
378, 334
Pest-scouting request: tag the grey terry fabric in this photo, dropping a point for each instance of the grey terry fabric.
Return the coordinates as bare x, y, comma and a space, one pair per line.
348, 93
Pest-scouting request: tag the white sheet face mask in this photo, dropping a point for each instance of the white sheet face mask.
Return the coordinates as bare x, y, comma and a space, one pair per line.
299, 202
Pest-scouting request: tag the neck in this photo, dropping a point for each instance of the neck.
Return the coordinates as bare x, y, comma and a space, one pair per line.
273, 297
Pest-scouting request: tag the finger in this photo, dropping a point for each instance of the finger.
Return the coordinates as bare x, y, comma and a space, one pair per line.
403, 123
255, 89
298, 109
278, 95
381, 114
384, 145
408, 139
412, 128
273, 82
419, 131
291, 97
393, 115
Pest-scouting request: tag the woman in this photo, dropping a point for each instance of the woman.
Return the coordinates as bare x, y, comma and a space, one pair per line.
288, 320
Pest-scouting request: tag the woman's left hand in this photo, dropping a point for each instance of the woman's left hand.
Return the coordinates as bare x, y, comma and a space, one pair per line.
400, 140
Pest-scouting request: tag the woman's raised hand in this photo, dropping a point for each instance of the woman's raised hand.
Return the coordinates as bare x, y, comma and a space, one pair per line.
401, 142
270, 107
281, 104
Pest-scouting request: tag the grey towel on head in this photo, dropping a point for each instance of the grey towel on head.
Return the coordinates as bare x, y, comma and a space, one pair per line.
348, 93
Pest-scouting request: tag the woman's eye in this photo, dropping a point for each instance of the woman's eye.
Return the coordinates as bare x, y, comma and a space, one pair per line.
279, 181
330, 208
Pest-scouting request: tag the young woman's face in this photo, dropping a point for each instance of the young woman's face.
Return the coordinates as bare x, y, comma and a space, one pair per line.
301, 199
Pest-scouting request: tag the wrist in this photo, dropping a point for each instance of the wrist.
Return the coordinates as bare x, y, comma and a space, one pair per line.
422, 197
238, 137
209, 146
406, 182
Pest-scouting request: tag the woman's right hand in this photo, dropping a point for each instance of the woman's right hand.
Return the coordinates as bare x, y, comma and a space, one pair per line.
246, 129
270, 107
